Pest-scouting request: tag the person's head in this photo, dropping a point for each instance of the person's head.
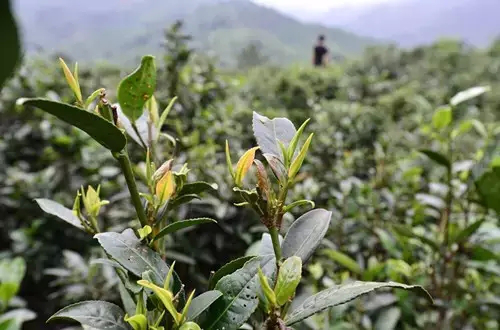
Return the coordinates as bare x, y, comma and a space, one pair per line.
321, 39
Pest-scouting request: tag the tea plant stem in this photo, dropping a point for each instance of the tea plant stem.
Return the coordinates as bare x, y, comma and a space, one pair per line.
276, 243
126, 166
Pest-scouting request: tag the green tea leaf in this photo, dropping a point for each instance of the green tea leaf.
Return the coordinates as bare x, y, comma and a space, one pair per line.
289, 277
302, 202
467, 232
268, 132
306, 234
12, 272
468, 94
407, 232
293, 144
442, 118
135, 89
11, 44
197, 188
95, 314
436, 157
480, 253
59, 211
344, 260
101, 130
227, 269
178, 225
341, 294
488, 187
266, 288
71, 80
201, 303
128, 250
239, 299
297, 163
190, 326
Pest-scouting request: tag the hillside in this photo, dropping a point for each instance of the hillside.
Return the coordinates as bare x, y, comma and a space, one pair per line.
121, 30
414, 22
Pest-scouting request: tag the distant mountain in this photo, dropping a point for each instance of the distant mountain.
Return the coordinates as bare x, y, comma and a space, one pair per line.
123, 30
413, 22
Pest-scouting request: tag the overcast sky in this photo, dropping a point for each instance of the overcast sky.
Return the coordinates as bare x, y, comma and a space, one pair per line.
316, 5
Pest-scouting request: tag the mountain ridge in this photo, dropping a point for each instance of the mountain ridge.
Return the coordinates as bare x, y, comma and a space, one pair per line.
122, 30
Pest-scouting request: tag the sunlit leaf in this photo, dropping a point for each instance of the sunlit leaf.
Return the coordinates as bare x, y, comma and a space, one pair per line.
468, 94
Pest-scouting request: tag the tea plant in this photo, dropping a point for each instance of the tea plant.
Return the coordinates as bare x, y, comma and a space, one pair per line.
257, 289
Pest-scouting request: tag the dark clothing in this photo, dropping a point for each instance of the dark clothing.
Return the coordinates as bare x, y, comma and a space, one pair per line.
319, 52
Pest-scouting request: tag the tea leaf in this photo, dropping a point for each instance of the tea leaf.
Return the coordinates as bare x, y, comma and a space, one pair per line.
266, 288
344, 260
101, 130
295, 140
297, 163
59, 211
468, 94
407, 232
178, 225
227, 269
341, 294
166, 297
197, 188
436, 157
268, 132
306, 234
488, 187
72, 82
442, 118
201, 303
244, 165
95, 314
190, 326
135, 89
165, 187
468, 231
128, 251
239, 299
289, 277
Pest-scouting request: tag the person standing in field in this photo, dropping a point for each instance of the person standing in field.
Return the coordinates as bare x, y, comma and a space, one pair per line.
320, 54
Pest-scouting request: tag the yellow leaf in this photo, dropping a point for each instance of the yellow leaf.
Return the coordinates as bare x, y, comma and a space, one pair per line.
73, 84
166, 297
165, 187
244, 165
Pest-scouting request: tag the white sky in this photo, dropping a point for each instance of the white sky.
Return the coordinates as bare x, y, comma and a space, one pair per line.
316, 5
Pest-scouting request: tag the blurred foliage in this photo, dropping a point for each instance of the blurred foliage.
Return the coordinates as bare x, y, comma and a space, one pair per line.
370, 117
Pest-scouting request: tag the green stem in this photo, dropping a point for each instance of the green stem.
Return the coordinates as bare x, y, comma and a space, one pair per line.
275, 237
126, 166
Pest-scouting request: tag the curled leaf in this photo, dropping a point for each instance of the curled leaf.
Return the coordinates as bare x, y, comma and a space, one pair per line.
288, 279
244, 165
138, 322
72, 82
165, 188
166, 298
266, 288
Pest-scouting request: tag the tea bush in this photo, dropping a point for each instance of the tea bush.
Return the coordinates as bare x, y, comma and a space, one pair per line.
406, 166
